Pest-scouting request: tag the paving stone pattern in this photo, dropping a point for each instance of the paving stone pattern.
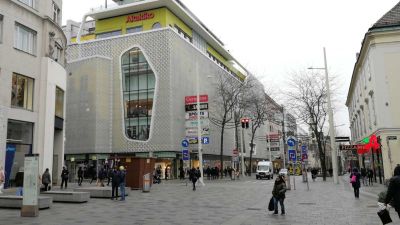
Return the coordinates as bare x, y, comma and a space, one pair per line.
219, 202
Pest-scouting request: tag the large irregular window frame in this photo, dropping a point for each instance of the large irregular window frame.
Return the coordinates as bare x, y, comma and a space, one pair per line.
138, 82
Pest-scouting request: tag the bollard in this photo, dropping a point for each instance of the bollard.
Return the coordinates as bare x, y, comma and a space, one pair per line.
146, 182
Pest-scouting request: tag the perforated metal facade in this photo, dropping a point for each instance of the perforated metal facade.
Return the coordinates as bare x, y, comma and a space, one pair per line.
173, 60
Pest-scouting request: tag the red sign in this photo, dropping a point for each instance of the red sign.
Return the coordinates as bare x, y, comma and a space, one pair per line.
193, 99
139, 17
273, 137
235, 152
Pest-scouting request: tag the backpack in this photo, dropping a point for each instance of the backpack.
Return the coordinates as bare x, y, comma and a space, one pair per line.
353, 178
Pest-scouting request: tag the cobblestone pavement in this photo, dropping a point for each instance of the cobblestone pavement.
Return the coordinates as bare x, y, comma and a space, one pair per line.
219, 202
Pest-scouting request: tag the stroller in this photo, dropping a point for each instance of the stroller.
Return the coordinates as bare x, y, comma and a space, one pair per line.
156, 179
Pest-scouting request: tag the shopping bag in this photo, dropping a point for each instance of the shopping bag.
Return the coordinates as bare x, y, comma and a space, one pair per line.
384, 216
271, 206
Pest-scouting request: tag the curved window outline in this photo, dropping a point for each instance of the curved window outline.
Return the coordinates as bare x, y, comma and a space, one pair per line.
156, 25
154, 106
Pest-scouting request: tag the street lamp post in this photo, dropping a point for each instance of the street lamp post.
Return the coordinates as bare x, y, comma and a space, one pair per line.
199, 144
331, 123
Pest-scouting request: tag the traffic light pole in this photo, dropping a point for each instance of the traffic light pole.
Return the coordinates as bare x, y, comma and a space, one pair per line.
242, 151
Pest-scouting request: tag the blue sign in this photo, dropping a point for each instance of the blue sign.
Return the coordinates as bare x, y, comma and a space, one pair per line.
291, 142
304, 149
205, 140
185, 143
292, 155
185, 154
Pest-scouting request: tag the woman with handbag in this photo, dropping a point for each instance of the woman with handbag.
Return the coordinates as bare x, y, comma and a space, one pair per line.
278, 192
355, 182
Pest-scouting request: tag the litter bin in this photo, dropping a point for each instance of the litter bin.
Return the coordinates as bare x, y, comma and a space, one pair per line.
146, 182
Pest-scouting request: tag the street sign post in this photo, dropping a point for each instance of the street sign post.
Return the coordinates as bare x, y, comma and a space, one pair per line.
185, 154
205, 140
185, 143
292, 155
291, 141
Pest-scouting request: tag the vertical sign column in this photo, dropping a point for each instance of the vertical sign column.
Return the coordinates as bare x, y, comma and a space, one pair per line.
191, 122
30, 204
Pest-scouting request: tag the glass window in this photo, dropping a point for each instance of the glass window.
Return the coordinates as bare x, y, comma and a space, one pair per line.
139, 83
1, 28
22, 92
19, 132
59, 103
25, 39
56, 13
134, 29
156, 25
30, 3
108, 34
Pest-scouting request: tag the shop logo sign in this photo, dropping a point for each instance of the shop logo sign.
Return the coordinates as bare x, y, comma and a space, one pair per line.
139, 17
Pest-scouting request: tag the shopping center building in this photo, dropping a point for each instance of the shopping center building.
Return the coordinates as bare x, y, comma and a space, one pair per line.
32, 85
130, 68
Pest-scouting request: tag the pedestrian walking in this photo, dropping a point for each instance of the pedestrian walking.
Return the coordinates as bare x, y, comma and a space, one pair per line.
314, 173
208, 172
102, 175
46, 179
64, 177
364, 176
2, 179
193, 176
121, 176
93, 174
80, 176
370, 175
115, 181
181, 173
19, 181
355, 182
393, 192
278, 192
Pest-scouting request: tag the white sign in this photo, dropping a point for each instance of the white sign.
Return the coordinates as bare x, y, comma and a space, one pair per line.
31, 180
192, 132
193, 123
193, 115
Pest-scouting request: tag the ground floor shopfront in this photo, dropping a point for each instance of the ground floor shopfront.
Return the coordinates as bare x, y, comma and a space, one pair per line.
378, 153
169, 162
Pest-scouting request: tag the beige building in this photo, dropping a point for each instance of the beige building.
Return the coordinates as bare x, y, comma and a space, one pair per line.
373, 98
32, 85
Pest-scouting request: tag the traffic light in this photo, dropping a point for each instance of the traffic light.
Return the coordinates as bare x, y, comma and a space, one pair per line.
245, 122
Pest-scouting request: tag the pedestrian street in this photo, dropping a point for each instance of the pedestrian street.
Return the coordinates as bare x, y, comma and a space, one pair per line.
223, 201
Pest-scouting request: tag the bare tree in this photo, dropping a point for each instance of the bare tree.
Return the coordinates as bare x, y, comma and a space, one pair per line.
258, 111
229, 92
307, 99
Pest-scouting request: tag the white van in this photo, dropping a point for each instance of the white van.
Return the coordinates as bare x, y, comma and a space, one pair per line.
264, 170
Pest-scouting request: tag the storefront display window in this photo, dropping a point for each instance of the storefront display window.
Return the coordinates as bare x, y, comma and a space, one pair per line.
138, 84
19, 143
22, 92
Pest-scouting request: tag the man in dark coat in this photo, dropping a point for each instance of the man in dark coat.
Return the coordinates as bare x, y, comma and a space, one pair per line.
80, 176
46, 179
64, 177
393, 192
278, 192
193, 176
115, 181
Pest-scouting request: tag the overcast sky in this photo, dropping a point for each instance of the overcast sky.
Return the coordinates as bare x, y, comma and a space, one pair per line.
273, 38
